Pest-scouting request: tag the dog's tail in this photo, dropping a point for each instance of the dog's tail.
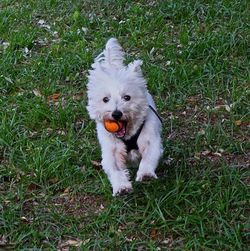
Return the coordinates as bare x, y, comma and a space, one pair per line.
112, 55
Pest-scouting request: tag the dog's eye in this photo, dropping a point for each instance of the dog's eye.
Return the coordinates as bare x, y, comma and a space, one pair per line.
105, 99
126, 97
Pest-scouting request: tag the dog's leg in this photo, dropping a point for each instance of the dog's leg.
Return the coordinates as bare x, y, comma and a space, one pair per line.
151, 152
113, 162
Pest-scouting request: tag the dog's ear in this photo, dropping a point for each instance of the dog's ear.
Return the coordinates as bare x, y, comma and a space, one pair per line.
135, 66
112, 55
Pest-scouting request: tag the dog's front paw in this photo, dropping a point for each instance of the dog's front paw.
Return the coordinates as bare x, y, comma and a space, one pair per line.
145, 176
122, 189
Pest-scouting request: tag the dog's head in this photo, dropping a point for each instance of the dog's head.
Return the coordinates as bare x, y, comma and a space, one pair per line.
117, 91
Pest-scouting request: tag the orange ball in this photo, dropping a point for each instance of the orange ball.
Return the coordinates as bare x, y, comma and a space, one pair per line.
112, 125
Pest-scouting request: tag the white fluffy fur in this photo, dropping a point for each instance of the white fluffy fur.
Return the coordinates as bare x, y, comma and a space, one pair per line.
111, 78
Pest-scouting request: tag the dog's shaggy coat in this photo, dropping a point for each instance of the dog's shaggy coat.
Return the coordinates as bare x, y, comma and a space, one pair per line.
118, 91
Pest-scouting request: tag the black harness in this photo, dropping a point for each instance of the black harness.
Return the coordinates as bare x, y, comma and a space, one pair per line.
131, 144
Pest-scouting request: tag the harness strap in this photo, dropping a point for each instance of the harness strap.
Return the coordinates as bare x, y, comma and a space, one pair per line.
156, 113
131, 144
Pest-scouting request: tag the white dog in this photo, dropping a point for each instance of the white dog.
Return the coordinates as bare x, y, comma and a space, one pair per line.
119, 92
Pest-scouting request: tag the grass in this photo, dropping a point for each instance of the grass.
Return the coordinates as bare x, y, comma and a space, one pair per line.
53, 193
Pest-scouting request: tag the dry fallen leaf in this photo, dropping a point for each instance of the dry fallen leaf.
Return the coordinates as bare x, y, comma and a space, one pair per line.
64, 245
217, 154
32, 187
37, 93
168, 161
82, 168
226, 107
4, 244
65, 192
168, 241
154, 234
197, 155
101, 208
79, 124
53, 180
238, 122
3, 240
25, 220
205, 153
78, 96
54, 97
129, 239
33, 134
61, 132
96, 163
191, 99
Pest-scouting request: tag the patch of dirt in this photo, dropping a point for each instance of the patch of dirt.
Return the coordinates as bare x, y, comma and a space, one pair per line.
238, 161
79, 205
29, 205
163, 240
247, 181
190, 119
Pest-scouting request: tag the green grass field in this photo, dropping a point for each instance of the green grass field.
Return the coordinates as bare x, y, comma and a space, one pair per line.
53, 192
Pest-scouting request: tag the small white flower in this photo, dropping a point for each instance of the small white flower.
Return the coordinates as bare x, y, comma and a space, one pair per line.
5, 45
84, 29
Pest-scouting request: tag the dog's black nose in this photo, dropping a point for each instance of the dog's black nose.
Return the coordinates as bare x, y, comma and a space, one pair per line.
117, 114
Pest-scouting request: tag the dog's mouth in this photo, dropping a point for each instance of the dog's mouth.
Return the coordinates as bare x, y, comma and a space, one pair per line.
121, 133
